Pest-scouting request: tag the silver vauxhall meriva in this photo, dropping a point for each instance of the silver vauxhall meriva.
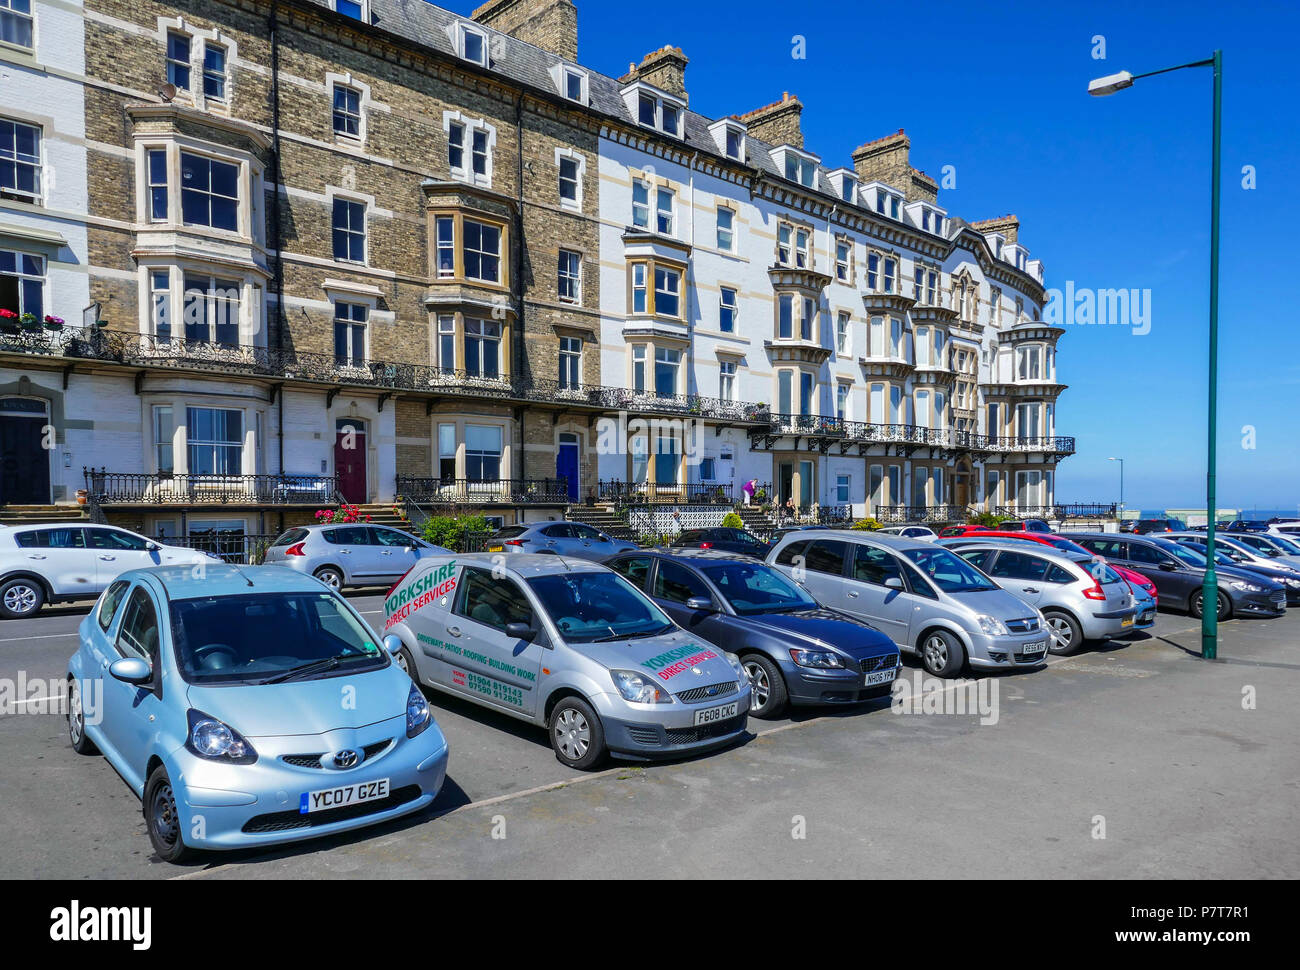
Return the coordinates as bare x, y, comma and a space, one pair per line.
923, 597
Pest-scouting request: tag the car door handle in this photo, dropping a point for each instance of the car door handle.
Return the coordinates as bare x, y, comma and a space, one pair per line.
108, 558
346, 552
852, 595
1030, 589
386, 552
453, 631
35, 557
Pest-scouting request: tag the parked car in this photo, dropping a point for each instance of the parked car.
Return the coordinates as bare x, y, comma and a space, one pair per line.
569, 645
1283, 549
1082, 598
344, 556
926, 599
1144, 527
1226, 555
949, 531
1288, 530
1246, 525
42, 564
794, 650
782, 531
724, 539
216, 698
1179, 573
910, 532
1068, 546
1024, 525
570, 539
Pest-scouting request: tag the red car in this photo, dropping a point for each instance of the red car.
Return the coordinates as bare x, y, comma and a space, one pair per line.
1063, 544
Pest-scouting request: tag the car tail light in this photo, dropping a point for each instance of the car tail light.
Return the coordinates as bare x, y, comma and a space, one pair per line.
1096, 593
706, 545
514, 542
295, 549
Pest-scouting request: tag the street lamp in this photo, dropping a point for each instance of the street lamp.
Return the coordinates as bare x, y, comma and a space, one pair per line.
1121, 485
1210, 589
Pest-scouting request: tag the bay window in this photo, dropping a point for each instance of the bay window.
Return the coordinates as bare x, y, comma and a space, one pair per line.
667, 363
447, 452
1029, 362
638, 368
469, 249
482, 251
215, 441
665, 299
211, 310
209, 192
447, 343
482, 347
22, 283
668, 283
161, 305
483, 447
164, 430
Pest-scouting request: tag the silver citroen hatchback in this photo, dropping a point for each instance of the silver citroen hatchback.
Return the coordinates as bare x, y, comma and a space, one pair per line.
928, 600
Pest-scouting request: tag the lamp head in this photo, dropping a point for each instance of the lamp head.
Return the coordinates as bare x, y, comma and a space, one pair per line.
1102, 86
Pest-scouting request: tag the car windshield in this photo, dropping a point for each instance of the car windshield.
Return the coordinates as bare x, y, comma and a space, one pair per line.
1288, 546
591, 607
755, 588
1068, 545
950, 573
255, 638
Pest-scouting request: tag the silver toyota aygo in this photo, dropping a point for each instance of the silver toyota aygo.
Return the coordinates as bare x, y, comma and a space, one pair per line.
569, 645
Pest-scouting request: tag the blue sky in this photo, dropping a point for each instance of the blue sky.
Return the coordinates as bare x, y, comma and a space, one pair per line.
1111, 192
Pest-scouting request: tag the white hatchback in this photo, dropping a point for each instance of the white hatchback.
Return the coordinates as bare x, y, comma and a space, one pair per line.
42, 564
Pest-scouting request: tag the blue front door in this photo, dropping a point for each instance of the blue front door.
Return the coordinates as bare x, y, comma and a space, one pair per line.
566, 464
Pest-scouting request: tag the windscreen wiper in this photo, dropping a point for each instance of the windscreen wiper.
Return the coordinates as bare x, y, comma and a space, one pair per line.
329, 663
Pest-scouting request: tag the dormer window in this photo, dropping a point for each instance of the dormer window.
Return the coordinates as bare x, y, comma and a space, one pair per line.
575, 85
735, 144
473, 45
729, 136
888, 204
798, 166
648, 111
350, 8
654, 109
671, 119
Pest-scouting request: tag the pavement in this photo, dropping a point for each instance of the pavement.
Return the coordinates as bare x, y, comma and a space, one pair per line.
1133, 759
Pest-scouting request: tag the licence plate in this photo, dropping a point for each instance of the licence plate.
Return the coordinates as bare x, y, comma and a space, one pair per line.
342, 796
496, 548
711, 714
881, 677
1039, 647
1127, 621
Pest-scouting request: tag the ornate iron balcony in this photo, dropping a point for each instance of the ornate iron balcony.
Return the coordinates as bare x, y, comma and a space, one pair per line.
161, 488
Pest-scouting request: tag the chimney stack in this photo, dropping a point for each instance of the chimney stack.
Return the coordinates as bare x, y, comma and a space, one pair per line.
664, 68
1008, 226
886, 160
777, 123
549, 24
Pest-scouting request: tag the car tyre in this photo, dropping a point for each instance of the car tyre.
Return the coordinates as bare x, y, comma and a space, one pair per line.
1066, 634
407, 663
77, 721
576, 734
330, 576
21, 598
767, 686
1196, 605
942, 653
162, 819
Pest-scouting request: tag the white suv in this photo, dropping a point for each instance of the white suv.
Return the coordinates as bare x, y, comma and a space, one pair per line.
54, 563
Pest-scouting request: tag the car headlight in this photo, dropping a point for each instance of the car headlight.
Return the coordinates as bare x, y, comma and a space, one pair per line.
216, 740
991, 625
1244, 587
638, 689
822, 659
741, 676
1294, 583
418, 715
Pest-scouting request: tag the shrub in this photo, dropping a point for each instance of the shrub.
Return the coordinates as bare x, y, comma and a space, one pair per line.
866, 525
987, 519
732, 521
450, 531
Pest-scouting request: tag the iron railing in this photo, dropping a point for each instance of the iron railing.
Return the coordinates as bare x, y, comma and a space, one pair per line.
137, 350
1069, 511
623, 494
240, 549
451, 492
160, 488
899, 514
812, 425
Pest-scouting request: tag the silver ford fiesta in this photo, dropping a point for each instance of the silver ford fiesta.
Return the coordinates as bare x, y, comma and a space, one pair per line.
569, 645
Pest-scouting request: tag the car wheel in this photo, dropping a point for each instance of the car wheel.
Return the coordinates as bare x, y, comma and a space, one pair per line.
1196, 605
1065, 632
576, 734
77, 721
767, 685
330, 576
942, 653
406, 662
21, 598
162, 819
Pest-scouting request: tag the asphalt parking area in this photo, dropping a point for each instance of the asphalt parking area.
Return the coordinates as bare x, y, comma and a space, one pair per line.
1140, 742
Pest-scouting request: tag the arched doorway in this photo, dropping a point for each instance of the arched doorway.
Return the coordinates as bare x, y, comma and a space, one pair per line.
24, 459
961, 484
566, 462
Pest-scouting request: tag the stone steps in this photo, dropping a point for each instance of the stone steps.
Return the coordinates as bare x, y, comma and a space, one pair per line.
41, 514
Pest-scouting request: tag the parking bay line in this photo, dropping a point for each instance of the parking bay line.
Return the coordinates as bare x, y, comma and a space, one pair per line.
580, 779
40, 636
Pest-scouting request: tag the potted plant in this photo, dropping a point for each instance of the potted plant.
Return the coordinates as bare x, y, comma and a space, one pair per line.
53, 322
30, 321
82, 496
8, 321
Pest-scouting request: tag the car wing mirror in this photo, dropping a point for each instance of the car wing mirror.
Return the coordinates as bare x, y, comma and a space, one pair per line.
131, 670
152, 546
393, 643
893, 582
520, 631
701, 604
1168, 566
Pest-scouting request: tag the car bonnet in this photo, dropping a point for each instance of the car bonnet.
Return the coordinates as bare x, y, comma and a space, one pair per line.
676, 659
824, 629
306, 706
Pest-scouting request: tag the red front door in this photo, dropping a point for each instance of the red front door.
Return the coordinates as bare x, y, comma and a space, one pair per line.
350, 465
